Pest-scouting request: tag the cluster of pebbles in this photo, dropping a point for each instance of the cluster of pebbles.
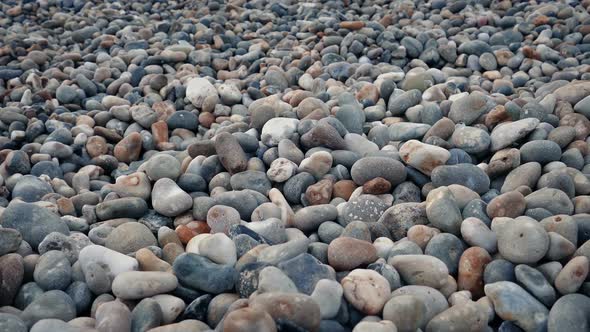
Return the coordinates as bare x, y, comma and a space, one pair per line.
365, 166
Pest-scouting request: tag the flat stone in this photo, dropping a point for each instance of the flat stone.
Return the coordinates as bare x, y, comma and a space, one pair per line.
134, 285
424, 157
506, 134
421, 270
130, 237
513, 303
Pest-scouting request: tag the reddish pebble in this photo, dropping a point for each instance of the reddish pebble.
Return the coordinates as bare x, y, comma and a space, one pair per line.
377, 186
471, 268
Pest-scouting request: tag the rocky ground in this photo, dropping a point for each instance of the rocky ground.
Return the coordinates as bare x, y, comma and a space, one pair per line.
365, 166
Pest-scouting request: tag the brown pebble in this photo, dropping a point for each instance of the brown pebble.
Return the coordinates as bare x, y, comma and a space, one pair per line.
11, 276
347, 253
206, 119
191, 229
96, 146
368, 92
150, 262
471, 268
249, 319
201, 148
319, 193
421, 234
230, 153
160, 132
343, 189
510, 204
352, 25
66, 207
377, 186
129, 148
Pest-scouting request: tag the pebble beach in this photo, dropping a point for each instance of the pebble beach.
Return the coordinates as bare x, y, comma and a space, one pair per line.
294, 166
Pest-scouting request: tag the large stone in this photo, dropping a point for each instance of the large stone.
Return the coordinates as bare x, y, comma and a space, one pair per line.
32, 221
198, 90
423, 157
507, 133
200, 273
513, 303
366, 290
135, 285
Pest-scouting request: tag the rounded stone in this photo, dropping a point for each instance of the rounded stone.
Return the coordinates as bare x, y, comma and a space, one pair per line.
434, 301
299, 309
541, 151
249, 319
423, 157
52, 304
513, 303
130, 237
366, 290
53, 271
510, 204
33, 222
573, 274
471, 271
346, 253
522, 241
534, 281
169, 199
421, 270
467, 175
368, 168
134, 285
162, 166
463, 317
448, 248
407, 312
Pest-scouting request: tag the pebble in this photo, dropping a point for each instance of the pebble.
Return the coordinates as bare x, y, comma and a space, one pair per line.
130, 237
467, 175
433, 300
51, 304
424, 157
135, 285
169, 199
34, 223
301, 310
113, 316
534, 281
465, 316
407, 312
53, 271
572, 275
522, 241
368, 168
421, 270
511, 300
366, 290
12, 273
200, 273
346, 253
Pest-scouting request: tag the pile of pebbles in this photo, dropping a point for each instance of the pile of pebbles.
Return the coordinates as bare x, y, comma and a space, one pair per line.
365, 166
